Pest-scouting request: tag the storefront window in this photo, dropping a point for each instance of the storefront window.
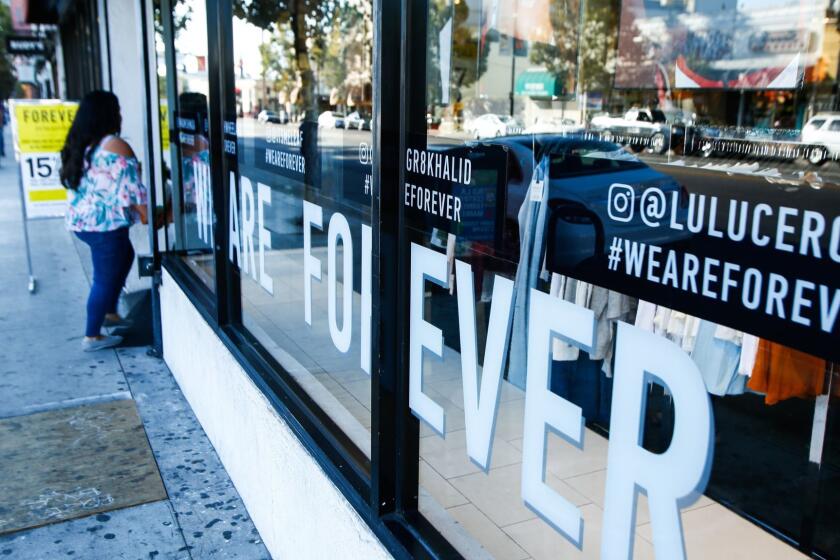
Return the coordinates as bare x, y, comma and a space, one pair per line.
164, 116
622, 222
191, 231
300, 225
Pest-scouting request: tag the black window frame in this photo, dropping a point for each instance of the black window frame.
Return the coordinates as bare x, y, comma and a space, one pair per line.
385, 495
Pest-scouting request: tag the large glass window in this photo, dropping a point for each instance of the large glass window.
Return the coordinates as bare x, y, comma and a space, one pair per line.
164, 116
191, 215
622, 222
301, 208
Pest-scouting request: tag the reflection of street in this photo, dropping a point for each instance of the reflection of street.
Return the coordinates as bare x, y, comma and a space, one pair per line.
793, 169
342, 184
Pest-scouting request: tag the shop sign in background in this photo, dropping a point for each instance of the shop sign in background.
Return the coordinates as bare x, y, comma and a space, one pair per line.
40, 128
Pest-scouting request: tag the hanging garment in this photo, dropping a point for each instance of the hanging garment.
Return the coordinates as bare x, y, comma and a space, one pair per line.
718, 360
608, 307
645, 312
749, 350
575, 292
532, 238
782, 373
678, 327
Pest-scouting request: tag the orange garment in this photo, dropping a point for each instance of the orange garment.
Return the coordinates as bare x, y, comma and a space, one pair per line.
782, 373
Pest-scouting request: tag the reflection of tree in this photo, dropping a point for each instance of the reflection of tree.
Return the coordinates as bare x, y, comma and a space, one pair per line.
344, 54
332, 36
276, 55
180, 17
468, 60
590, 43
7, 73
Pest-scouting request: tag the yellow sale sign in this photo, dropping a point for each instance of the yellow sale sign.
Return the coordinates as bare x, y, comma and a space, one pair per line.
40, 128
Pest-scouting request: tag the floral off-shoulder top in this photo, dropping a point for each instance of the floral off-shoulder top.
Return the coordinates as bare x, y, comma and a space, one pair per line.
110, 186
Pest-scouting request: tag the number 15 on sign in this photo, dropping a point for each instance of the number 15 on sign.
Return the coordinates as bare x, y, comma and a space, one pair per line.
41, 168
44, 195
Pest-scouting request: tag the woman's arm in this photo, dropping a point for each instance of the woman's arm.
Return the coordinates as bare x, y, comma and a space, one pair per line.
142, 211
118, 146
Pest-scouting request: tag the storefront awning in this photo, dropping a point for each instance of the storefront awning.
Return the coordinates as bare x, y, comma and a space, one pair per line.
537, 82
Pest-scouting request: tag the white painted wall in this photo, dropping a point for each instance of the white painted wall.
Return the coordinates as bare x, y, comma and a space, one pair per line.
297, 509
127, 82
127, 71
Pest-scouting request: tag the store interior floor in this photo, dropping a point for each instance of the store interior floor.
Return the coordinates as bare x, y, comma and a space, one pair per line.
481, 513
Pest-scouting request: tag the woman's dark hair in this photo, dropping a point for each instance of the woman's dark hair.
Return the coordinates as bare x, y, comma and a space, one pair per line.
97, 117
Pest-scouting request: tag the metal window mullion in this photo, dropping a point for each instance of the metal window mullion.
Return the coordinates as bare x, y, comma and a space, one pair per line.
229, 273
152, 110
385, 225
216, 140
172, 108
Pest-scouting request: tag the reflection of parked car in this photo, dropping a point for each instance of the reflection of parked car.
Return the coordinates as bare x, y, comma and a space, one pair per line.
432, 122
357, 120
331, 119
818, 140
492, 126
582, 222
273, 117
556, 125
642, 128
822, 131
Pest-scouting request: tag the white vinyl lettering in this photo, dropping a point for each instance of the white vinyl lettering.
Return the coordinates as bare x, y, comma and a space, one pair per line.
312, 217
340, 229
263, 198
367, 257
672, 479
430, 265
481, 399
233, 236
248, 262
550, 316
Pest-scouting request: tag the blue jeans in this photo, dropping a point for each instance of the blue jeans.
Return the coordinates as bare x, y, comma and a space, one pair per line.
112, 256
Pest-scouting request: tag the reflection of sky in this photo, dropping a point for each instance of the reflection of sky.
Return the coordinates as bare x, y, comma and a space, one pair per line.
192, 40
754, 5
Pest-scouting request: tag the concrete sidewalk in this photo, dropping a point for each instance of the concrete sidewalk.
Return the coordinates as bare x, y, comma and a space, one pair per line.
47, 384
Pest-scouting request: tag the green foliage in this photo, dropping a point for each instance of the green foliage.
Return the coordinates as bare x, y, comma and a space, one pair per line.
332, 37
468, 62
583, 46
8, 79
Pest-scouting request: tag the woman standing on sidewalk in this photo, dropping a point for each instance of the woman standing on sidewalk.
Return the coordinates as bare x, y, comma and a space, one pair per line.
108, 198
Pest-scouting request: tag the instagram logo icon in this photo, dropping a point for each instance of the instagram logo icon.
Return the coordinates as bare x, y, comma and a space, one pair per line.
620, 202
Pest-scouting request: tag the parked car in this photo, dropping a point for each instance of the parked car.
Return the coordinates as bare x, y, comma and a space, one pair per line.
357, 120
273, 117
331, 119
642, 129
492, 126
556, 125
582, 206
822, 133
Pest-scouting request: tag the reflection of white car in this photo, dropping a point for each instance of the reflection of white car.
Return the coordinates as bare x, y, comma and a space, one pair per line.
357, 121
331, 119
556, 125
272, 117
492, 126
822, 131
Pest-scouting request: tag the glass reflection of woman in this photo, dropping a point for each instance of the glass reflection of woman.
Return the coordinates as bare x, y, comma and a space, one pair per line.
193, 106
108, 198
